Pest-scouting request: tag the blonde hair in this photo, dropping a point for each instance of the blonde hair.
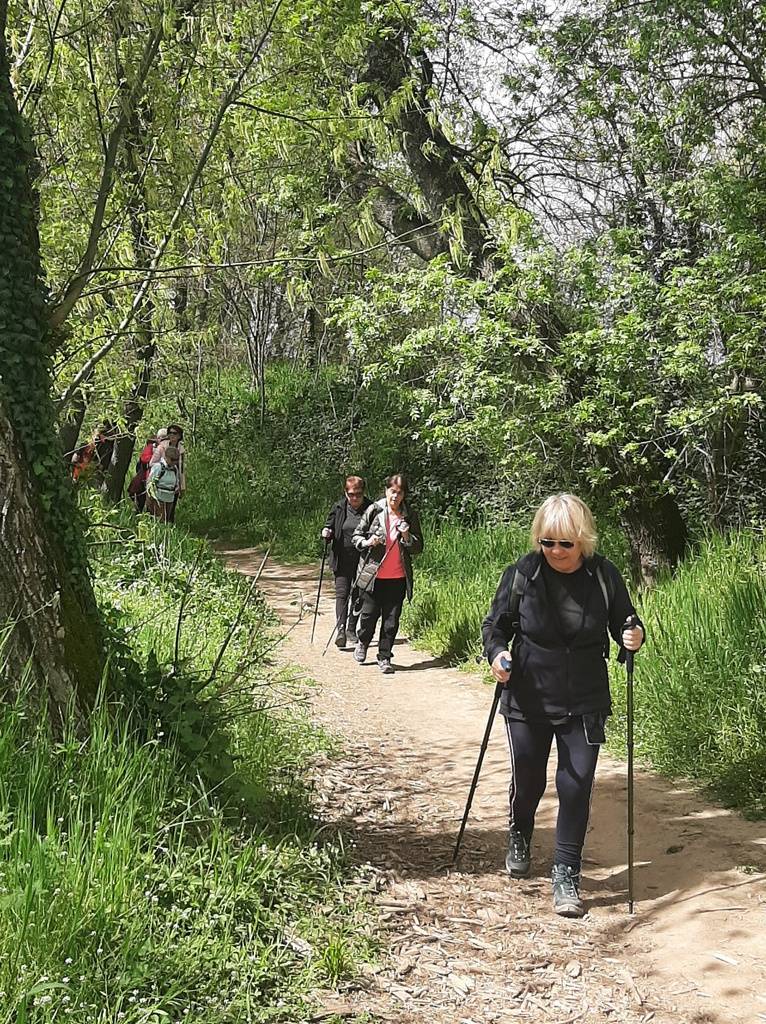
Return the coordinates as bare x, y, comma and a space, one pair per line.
565, 517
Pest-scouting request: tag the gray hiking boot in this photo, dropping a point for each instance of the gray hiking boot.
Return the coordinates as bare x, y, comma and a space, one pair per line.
518, 858
385, 666
360, 652
566, 891
340, 639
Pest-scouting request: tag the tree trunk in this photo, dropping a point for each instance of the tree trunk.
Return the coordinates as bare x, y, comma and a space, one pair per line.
136, 154
70, 428
393, 64
657, 535
125, 445
46, 598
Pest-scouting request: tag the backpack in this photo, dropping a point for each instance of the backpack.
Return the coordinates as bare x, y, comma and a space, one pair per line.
519, 586
164, 470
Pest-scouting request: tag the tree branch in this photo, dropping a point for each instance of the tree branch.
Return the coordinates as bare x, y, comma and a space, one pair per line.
154, 266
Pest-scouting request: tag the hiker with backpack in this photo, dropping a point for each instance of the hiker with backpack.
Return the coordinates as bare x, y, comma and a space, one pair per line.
338, 532
137, 486
546, 638
163, 485
388, 535
173, 439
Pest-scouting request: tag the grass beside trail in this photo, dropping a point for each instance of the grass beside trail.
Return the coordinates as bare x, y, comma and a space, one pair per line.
166, 866
700, 680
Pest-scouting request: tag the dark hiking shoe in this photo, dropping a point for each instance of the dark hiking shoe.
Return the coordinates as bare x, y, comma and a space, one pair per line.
566, 891
385, 666
360, 652
340, 639
518, 858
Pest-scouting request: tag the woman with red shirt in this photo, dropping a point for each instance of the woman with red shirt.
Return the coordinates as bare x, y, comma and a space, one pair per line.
389, 533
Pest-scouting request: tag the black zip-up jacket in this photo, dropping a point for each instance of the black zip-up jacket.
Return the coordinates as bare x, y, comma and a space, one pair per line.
374, 522
334, 522
550, 676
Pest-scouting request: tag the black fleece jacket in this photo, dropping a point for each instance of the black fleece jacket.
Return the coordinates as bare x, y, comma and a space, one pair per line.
335, 519
553, 675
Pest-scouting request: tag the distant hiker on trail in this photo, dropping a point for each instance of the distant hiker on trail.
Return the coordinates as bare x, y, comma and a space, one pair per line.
173, 439
548, 623
137, 486
91, 461
389, 534
342, 521
163, 485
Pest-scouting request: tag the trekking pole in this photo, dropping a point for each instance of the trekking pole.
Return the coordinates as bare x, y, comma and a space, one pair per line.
506, 665
629, 661
319, 589
335, 629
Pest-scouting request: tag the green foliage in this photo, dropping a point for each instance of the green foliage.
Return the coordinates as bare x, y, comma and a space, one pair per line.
188, 639
128, 894
700, 694
168, 865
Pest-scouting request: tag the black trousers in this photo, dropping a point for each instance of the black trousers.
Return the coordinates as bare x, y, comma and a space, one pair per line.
383, 601
344, 615
530, 746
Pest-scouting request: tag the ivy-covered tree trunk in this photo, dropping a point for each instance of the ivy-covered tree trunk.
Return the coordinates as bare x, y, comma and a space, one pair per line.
47, 609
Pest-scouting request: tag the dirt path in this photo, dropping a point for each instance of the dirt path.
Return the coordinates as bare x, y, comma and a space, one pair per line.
472, 946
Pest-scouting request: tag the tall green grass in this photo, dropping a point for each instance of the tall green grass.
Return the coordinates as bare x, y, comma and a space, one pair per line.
136, 884
701, 680
455, 580
128, 894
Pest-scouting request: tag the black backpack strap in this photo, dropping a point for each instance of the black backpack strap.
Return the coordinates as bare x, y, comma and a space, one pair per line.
606, 583
527, 568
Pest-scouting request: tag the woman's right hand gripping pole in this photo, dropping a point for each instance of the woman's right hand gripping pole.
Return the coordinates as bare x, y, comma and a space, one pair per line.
501, 667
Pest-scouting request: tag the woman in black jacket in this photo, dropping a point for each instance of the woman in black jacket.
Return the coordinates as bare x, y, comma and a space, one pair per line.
390, 533
546, 636
343, 519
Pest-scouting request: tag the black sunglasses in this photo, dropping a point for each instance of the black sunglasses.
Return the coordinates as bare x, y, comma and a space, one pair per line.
546, 543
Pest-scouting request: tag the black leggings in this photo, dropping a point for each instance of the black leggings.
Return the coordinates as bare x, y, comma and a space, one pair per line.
530, 745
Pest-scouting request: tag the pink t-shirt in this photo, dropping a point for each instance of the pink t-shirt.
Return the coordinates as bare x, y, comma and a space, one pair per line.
393, 566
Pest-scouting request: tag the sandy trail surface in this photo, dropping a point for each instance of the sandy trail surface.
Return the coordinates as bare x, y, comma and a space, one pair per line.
472, 946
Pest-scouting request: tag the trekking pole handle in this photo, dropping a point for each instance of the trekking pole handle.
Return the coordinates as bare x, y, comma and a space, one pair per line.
630, 622
505, 665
